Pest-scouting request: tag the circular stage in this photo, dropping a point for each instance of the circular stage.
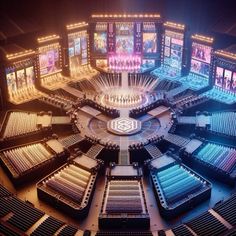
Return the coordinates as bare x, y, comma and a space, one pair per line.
124, 126
124, 98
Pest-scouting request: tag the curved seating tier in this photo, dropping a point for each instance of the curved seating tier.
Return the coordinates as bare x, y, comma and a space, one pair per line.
73, 184
220, 157
19, 123
124, 196
223, 123
178, 188
22, 161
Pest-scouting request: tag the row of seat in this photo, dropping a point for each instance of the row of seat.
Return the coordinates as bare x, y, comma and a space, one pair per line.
224, 123
177, 183
153, 150
219, 156
23, 215
19, 123
94, 151
124, 197
71, 182
176, 139
71, 140
27, 157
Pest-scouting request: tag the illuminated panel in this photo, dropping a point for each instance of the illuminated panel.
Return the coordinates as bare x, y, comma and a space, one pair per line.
100, 38
124, 38
20, 77
201, 59
49, 59
173, 48
77, 46
149, 42
225, 79
126, 16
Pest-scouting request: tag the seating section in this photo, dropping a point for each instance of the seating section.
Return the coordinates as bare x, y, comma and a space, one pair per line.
219, 156
70, 182
4, 192
177, 183
23, 215
21, 218
68, 230
71, 140
20, 123
48, 227
5, 230
177, 140
206, 225
228, 210
94, 151
124, 197
153, 151
220, 95
187, 120
26, 157
224, 123
58, 101
181, 230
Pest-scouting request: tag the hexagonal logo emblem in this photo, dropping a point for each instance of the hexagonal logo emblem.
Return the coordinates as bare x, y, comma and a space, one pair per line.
124, 126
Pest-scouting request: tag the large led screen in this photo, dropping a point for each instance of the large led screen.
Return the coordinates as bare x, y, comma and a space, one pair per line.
124, 44
149, 42
77, 43
219, 76
49, 61
173, 49
29, 73
234, 82
11, 80
201, 58
201, 52
100, 42
21, 82
124, 38
200, 68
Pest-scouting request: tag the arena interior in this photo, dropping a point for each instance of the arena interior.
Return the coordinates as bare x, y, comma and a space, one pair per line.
118, 124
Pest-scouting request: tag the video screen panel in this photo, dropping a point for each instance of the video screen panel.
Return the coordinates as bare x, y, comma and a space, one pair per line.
84, 46
225, 79
49, 60
149, 42
219, 76
100, 42
200, 59
124, 44
21, 80
11, 80
77, 44
29, 73
124, 38
173, 49
201, 52
234, 83
200, 68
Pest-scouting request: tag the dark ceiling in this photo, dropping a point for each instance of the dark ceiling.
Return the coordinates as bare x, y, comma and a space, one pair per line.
200, 15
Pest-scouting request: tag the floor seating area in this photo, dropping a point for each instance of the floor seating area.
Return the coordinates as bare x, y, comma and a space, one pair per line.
26, 157
124, 196
177, 183
19, 123
219, 156
71, 182
223, 123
